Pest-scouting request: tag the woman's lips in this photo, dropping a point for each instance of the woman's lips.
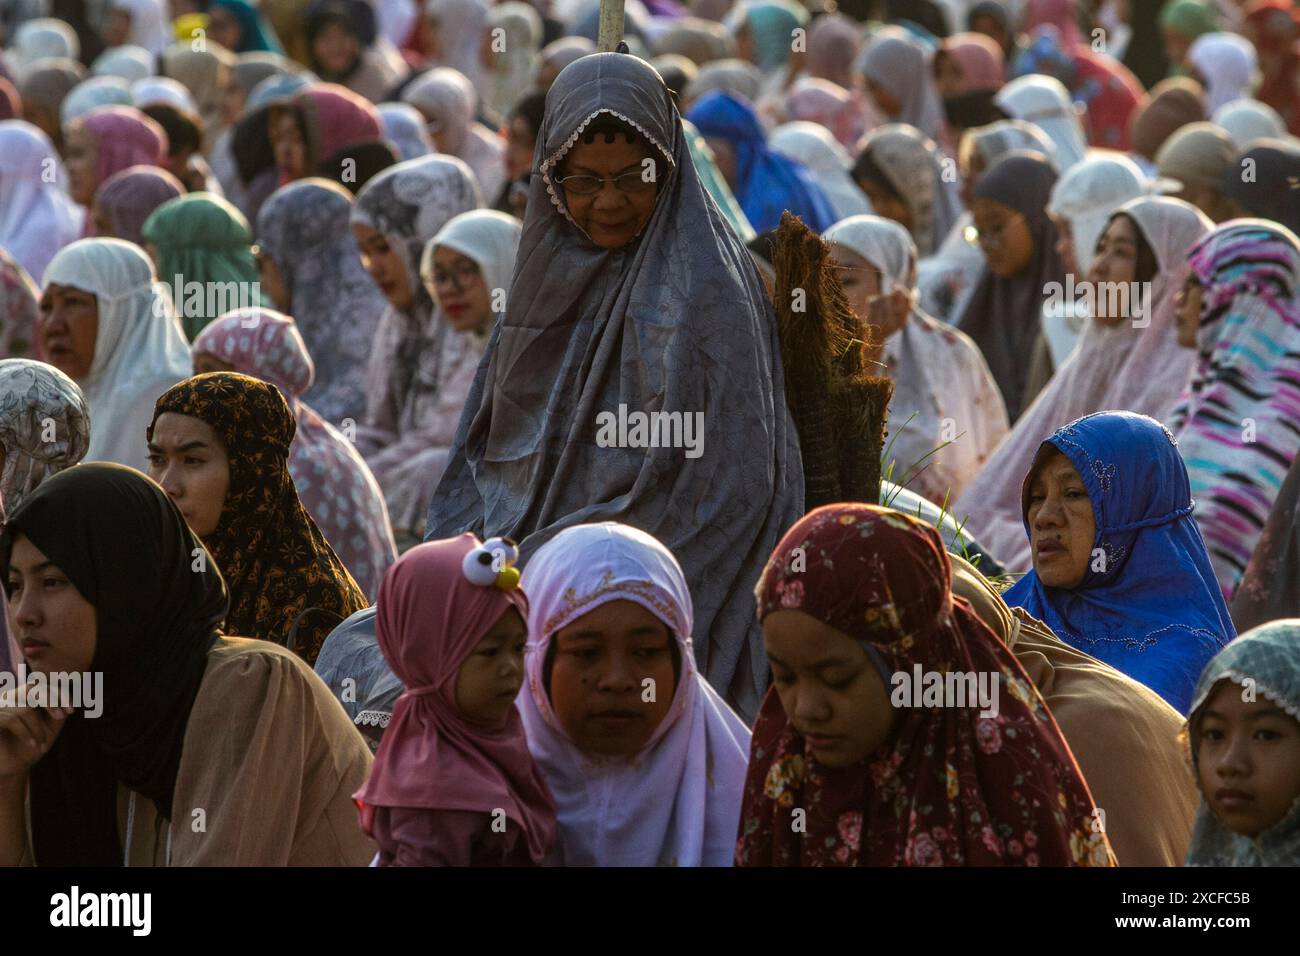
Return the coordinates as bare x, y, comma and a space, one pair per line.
1234, 801
33, 649
1047, 549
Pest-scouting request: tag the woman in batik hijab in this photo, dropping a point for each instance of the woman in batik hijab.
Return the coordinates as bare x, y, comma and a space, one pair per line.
311, 269
600, 271
1120, 567
286, 584
1126, 360
332, 479
1236, 422
853, 598
1244, 736
19, 306
198, 719
412, 396
44, 426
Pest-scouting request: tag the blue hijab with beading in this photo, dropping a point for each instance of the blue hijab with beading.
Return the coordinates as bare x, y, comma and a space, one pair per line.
1154, 609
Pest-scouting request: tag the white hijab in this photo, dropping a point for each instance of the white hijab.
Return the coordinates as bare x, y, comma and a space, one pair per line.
149, 23
163, 89
813, 145
447, 96
93, 93
488, 237
1227, 64
37, 217
460, 33
1088, 192
677, 802
1045, 102
40, 39
131, 63
515, 51
1247, 120
140, 349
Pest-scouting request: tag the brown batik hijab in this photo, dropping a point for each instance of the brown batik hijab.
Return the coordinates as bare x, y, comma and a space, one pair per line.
286, 583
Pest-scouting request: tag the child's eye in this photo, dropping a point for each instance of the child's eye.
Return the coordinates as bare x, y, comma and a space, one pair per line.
1267, 734
1214, 734
587, 654
648, 653
840, 685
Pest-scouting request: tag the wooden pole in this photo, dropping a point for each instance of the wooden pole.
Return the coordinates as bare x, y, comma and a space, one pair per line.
611, 26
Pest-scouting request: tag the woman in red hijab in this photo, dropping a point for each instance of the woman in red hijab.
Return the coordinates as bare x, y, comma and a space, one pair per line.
899, 730
1274, 27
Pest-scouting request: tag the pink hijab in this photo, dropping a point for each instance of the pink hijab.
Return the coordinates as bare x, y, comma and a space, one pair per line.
430, 617
334, 118
333, 480
124, 137
983, 67
1119, 367
830, 105
1056, 13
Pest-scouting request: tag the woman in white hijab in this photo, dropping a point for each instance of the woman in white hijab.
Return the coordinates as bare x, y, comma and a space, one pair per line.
813, 145
37, 217
907, 178
446, 99
41, 39
1081, 204
1247, 120
162, 89
1045, 102
1125, 361
1225, 64
110, 326
515, 37
131, 63
610, 624
453, 36
91, 94
139, 22
944, 393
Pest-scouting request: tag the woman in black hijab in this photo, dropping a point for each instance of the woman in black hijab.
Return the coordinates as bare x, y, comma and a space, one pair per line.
101, 545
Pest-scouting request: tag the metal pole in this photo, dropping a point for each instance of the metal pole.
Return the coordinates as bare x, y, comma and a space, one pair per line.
611, 25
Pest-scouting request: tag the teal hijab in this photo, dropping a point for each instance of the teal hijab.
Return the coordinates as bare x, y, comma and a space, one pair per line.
204, 251
1268, 656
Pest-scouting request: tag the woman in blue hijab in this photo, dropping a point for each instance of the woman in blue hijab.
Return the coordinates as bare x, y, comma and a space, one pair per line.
764, 182
1120, 569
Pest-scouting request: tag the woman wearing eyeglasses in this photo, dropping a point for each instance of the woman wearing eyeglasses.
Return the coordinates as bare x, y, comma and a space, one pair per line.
632, 295
1018, 240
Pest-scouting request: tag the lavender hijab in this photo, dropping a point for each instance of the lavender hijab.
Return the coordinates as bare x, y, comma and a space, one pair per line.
676, 321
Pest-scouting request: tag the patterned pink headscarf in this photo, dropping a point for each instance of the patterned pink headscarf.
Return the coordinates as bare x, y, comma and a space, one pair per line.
333, 481
429, 620
124, 137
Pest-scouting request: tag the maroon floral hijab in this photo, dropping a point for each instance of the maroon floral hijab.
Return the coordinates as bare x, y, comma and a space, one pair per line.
949, 787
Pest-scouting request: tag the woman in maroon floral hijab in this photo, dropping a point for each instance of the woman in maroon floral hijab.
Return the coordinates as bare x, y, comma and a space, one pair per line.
899, 731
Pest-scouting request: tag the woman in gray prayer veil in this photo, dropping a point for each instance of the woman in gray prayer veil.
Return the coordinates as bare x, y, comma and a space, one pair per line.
633, 304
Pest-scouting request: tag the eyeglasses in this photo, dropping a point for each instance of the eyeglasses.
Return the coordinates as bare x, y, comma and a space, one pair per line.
460, 277
990, 235
584, 185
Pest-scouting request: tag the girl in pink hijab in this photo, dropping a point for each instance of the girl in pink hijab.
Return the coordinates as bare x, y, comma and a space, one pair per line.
105, 141
453, 783
309, 135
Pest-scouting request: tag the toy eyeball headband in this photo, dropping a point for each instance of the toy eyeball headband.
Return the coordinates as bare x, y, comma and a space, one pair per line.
493, 563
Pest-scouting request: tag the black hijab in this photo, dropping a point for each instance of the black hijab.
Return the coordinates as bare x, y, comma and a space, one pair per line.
126, 548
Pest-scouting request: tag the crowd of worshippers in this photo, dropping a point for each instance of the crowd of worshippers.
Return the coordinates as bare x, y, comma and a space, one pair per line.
311, 308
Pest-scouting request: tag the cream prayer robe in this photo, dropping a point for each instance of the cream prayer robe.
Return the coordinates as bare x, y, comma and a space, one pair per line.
271, 760
1124, 735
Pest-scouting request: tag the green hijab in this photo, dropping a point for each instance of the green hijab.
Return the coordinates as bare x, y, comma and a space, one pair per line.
715, 185
203, 248
1189, 17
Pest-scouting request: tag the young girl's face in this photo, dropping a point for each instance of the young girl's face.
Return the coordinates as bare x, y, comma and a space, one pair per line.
490, 678
1247, 759
612, 678
828, 687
